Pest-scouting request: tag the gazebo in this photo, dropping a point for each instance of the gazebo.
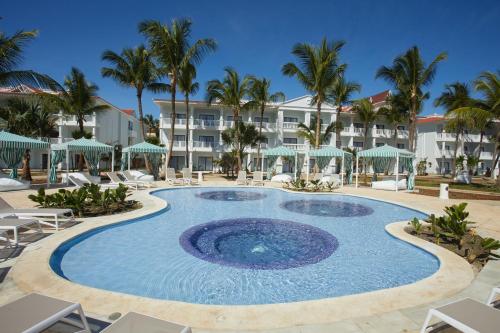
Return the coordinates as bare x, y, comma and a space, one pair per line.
153, 154
383, 156
91, 150
273, 154
13, 146
324, 156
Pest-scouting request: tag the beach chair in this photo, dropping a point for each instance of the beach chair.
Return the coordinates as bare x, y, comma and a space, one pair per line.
5, 237
34, 313
242, 178
467, 315
57, 215
80, 183
14, 224
134, 322
258, 178
187, 176
171, 178
146, 180
114, 179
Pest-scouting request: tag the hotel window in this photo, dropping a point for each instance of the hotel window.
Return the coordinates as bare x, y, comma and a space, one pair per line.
401, 146
290, 119
206, 117
130, 125
205, 138
205, 163
181, 138
466, 148
448, 148
290, 140
379, 126
358, 125
402, 127
181, 116
264, 140
358, 144
264, 119
379, 144
231, 118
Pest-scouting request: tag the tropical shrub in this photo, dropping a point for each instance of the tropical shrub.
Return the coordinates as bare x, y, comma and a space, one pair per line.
416, 225
88, 200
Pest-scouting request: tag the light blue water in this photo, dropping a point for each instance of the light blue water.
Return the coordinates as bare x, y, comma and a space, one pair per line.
144, 257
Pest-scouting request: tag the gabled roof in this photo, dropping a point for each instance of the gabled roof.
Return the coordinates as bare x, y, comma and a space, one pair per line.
82, 145
145, 147
328, 152
279, 151
303, 102
380, 97
430, 119
385, 151
10, 140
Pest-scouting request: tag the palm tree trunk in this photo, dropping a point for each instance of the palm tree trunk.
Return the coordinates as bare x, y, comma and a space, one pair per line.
455, 154
481, 135
412, 125
262, 107
396, 135
82, 133
236, 116
26, 173
172, 119
186, 101
337, 129
141, 125
318, 125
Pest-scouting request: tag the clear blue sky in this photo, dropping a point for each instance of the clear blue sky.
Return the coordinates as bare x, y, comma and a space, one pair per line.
256, 37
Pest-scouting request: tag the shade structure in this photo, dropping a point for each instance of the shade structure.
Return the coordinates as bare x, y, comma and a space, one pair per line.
386, 153
12, 148
273, 154
324, 156
153, 154
91, 150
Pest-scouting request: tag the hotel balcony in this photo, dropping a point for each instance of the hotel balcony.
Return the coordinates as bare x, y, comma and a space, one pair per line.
295, 146
204, 146
446, 136
402, 134
486, 155
67, 120
447, 153
382, 133
179, 146
205, 124
290, 126
167, 122
266, 126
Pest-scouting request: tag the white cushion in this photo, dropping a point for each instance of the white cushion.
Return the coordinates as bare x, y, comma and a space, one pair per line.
9, 184
139, 175
389, 185
281, 178
82, 177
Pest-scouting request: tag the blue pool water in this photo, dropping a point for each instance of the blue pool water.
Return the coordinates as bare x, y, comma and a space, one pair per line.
248, 246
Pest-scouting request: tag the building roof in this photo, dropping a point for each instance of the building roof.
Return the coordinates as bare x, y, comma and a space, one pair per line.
130, 112
430, 119
380, 97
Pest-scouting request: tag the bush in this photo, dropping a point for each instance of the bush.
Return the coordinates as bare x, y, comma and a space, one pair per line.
88, 200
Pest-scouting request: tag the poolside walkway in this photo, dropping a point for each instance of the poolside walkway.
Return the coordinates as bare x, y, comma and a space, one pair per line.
485, 213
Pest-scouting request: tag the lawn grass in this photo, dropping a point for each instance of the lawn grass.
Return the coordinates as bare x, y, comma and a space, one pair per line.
477, 185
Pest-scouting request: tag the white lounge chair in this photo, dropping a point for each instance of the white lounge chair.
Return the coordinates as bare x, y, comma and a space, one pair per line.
390, 184
136, 175
187, 176
131, 179
466, 315
83, 176
5, 237
492, 299
34, 313
242, 178
58, 215
79, 183
14, 224
9, 184
171, 178
134, 322
258, 178
282, 178
113, 177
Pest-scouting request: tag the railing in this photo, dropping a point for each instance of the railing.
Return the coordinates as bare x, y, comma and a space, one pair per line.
203, 144
289, 125
228, 123
206, 123
486, 155
179, 144
383, 132
346, 130
445, 136
295, 146
72, 120
265, 124
447, 153
178, 121
359, 130
403, 134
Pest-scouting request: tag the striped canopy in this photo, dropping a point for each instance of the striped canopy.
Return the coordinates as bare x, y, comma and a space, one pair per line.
385, 151
145, 147
279, 151
328, 152
9, 140
83, 145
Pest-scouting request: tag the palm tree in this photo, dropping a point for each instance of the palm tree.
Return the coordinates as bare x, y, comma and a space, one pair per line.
260, 97
342, 91
488, 84
78, 99
230, 93
367, 114
309, 132
134, 68
456, 99
246, 135
11, 55
173, 51
317, 71
188, 87
409, 74
395, 113
153, 125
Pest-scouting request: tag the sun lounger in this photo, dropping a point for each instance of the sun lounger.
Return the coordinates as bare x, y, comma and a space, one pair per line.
258, 178
187, 176
282, 178
389, 184
140, 175
493, 296
113, 177
79, 183
171, 178
5, 237
242, 178
134, 322
467, 315
14, 224
56, 214
129, 177
34, 313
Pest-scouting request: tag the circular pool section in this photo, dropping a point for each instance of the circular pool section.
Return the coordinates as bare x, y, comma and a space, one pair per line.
254, 253
330, 208
231, 195
257, 243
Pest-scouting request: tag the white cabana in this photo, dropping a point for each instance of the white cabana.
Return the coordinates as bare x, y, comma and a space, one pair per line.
324, 156
273, 154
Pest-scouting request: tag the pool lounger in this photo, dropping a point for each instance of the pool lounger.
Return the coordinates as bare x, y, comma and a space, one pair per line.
129, 177
113, 177
258, 178
134, 322
242, 178
14, 224
467, 315
55, 213
34, 313
187, 177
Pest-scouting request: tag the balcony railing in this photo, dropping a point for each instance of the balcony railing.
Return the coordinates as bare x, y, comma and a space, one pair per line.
359, 130
179, 144
403, 134
295, 146
445, 136
290, 125
168, 121
203, 144
383, 132
486, 155
204, 123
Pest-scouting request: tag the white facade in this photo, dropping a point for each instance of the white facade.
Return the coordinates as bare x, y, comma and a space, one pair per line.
280, 124
438, 146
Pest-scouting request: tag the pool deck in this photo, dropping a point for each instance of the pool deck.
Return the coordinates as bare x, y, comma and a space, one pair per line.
400, 309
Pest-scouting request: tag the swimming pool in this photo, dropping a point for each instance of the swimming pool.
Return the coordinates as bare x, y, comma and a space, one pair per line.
239, 246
